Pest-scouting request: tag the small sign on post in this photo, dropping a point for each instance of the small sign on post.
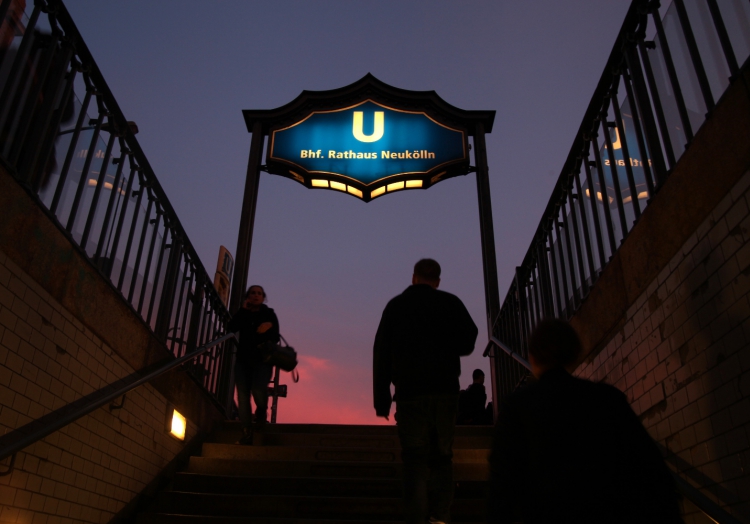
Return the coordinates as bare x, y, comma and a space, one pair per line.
223, 276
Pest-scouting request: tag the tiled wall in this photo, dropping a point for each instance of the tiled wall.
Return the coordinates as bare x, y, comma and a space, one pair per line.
92, 468
683, 359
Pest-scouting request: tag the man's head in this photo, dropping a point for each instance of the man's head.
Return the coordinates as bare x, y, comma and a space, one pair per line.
553, 344
478, 376
426, 271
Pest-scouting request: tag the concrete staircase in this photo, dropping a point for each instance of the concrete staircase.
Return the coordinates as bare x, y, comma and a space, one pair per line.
310, 473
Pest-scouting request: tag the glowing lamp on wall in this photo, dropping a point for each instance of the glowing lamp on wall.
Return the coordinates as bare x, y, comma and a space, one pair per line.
177, 425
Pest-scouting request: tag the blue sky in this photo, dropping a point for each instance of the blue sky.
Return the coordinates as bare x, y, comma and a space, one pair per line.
184, 71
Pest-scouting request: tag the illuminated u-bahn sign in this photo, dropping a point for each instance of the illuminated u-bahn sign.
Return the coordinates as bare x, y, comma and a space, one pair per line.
367, 150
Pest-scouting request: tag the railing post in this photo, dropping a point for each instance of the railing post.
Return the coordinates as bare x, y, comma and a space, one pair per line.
726, 43
275, 403
37, 160
14, 75
166, 302
247, 219
695, 56
647, 116
486, 230
195, 314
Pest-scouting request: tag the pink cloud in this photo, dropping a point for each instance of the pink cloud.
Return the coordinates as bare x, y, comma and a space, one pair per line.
328, 393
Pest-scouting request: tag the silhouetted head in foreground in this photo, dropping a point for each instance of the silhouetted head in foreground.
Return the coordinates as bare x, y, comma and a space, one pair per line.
553, 344
426, 271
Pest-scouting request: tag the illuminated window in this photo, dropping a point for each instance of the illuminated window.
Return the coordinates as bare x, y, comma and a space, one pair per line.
413, 183
395, 186
601, 198
354, 191
177, 428
319, 183
377, 192
642, 194
338, 185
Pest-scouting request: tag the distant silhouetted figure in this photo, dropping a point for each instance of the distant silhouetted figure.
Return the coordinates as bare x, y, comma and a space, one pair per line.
570, 450
257, 325
471, 402
421, 336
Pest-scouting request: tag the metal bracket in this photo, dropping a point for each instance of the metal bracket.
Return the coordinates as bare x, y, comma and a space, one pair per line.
114, 406
10, 466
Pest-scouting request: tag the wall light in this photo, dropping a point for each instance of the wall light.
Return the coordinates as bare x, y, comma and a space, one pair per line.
338, 185
316, 182
178, 425
354, 191
395, 186
413, 183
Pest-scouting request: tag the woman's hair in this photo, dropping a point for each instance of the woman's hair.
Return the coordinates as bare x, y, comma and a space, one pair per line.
554, 343
247, 293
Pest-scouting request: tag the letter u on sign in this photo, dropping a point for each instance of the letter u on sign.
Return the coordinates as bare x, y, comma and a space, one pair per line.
378, 129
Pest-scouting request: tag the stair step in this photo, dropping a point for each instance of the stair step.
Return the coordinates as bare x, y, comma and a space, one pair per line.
312, 474
351, 440
308, 453
344, 487
281, 468
166, 518
346, 429
287, 506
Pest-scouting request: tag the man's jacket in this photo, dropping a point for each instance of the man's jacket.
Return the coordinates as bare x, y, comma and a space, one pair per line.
570, 450
421, 336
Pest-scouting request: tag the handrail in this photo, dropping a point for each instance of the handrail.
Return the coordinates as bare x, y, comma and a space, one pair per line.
702, 502
515, 356
694, 495
26, 435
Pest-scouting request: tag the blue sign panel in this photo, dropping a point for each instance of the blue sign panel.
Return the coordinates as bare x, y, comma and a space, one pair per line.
365, 144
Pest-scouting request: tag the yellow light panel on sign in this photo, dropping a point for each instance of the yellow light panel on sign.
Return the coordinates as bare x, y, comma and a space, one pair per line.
377, 192
354, 191
338, 185
319, 183
395, 186
179, 423
413, 183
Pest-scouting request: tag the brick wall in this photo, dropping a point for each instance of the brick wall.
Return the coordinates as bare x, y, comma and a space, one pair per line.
91, 469
682, 356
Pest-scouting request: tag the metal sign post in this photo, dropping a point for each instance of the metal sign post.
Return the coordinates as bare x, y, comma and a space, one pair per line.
369, 139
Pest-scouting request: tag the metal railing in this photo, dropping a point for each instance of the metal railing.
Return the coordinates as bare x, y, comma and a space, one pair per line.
64, 138
668, 67
19, 438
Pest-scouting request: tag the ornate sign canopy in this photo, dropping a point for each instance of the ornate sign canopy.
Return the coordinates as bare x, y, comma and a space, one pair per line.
368, 139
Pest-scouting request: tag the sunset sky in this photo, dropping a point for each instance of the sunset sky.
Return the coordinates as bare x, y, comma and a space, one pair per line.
184, 71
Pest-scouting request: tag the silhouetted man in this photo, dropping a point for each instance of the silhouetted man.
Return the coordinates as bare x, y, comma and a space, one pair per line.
421, 336
472, 401
570, 450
